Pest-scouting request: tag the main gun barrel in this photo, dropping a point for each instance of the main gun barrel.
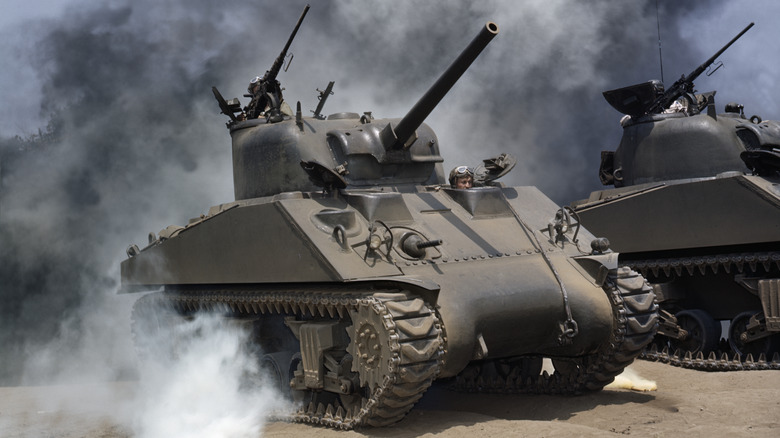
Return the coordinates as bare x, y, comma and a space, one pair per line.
396, 137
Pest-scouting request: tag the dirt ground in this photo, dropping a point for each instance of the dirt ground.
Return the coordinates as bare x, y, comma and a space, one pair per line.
694, 403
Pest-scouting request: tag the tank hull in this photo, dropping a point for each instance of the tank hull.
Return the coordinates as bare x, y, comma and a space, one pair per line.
354, 321
493, 289
718, 212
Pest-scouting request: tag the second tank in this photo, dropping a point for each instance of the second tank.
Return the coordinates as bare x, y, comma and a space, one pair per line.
696, 208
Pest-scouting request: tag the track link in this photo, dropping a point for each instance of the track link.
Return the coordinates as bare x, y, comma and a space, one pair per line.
713, 362
409, 325
737, 263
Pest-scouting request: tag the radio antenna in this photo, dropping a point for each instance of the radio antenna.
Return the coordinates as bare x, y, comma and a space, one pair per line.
660, 56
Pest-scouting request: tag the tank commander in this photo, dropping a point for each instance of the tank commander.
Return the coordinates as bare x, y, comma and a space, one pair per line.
462, 177
262, 94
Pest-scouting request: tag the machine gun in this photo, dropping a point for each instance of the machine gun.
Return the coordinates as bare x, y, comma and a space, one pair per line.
684, 85
266, 92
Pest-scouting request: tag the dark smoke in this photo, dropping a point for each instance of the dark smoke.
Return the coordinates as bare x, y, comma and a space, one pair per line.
131, 140
129, 131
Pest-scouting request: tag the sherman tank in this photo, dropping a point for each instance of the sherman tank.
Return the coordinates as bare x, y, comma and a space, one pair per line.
696, 208
365, 276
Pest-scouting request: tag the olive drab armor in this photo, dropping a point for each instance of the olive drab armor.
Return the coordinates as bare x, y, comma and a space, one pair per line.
366, 277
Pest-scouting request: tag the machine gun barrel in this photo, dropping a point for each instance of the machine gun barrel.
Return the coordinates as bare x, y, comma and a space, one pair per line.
699, 70
271, 74
395, 138
685, 83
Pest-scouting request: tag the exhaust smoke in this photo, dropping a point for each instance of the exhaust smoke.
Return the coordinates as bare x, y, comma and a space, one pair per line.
210, 386
630, 379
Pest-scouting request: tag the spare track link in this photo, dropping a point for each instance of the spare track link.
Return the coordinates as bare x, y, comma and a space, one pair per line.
728, 263
635, 323
414, 332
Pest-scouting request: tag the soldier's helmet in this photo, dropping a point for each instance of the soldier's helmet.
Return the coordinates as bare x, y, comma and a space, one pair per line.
253, 84
460, 172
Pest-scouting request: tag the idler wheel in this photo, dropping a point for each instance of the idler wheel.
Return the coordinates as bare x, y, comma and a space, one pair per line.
767, 345
703, 332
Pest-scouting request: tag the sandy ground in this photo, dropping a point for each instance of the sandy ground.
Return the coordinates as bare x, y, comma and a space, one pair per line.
736, 404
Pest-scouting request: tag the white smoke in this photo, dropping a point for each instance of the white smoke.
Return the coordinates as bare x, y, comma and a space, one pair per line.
212, 388
630, 379
92, 345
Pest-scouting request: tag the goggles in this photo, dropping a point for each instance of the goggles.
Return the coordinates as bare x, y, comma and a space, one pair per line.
462, 171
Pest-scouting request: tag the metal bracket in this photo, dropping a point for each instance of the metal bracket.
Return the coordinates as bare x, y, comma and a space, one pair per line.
315, 339
340, 236
769, 292
480, 350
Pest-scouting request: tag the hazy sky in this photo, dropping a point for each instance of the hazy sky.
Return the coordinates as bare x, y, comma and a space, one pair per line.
142, 144
550, 62
17, 11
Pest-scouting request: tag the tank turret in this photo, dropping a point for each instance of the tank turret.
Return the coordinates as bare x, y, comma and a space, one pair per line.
363, 151
675, 134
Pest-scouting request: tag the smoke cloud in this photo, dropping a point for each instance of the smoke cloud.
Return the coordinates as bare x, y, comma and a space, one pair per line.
109, 130
212, 387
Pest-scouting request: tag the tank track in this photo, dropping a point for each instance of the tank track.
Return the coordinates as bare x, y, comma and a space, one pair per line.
636, 321
697, 361
412, 326
733, 262
737, 262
